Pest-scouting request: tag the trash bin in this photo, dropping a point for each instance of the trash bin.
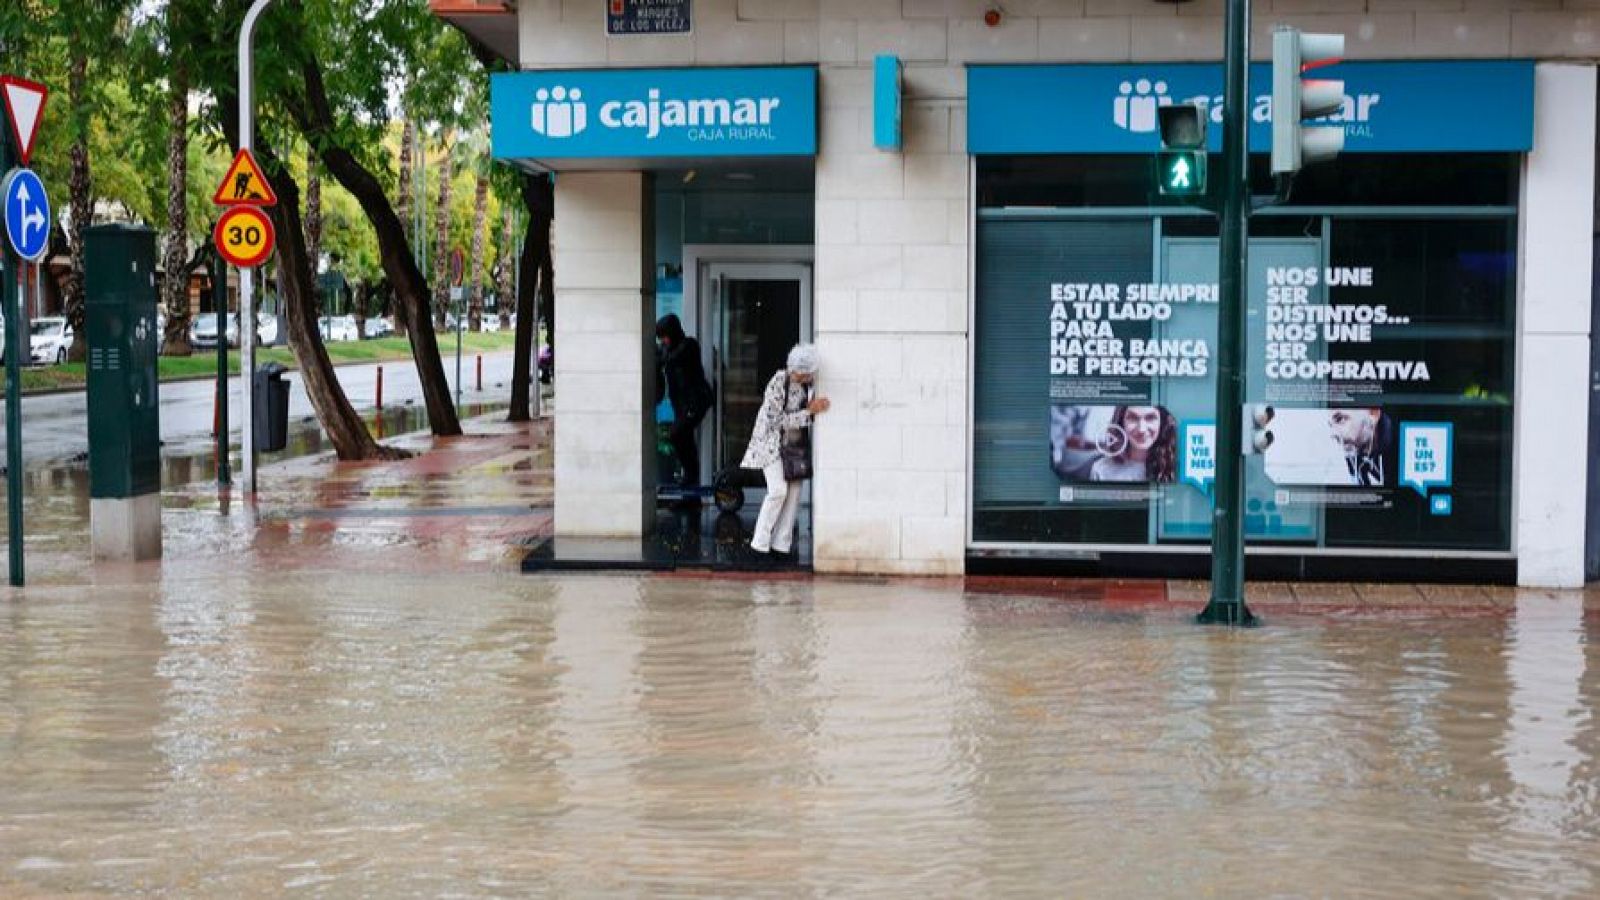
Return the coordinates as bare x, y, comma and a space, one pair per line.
271, 408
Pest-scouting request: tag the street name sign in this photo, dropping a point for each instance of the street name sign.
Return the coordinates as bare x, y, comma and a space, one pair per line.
244, 236
245, 184
27, 214
24, 103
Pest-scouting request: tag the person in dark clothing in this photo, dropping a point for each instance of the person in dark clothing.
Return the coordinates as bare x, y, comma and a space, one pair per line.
682, 380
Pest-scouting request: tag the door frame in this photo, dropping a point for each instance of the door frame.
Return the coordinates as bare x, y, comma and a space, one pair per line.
699, 307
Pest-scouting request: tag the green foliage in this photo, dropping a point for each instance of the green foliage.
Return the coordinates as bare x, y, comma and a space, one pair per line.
409, 65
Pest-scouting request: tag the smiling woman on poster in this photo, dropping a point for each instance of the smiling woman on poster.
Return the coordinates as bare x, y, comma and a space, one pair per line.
1141, 447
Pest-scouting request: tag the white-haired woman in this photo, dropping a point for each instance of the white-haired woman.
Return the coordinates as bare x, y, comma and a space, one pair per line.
787, 408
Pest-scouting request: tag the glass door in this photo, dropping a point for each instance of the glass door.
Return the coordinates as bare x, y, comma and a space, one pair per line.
761, 310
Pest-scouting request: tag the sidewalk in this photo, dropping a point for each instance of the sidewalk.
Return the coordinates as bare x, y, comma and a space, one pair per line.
462, 504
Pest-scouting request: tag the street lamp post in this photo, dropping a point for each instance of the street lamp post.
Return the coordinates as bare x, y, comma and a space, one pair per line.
247, 306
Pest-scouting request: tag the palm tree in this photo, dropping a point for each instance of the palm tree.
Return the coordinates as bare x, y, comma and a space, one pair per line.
480, 210
441, 245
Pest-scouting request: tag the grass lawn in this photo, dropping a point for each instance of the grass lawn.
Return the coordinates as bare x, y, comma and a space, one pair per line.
204, 362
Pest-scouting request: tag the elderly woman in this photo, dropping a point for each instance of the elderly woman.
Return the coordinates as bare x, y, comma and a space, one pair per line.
787, 408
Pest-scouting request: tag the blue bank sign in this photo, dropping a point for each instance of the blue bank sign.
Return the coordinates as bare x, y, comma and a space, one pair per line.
1389, 107
641, 113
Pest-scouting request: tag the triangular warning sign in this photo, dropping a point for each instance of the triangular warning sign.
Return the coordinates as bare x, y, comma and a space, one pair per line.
244, 185
24, 102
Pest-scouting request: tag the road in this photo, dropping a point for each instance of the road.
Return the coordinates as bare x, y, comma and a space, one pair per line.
55, 426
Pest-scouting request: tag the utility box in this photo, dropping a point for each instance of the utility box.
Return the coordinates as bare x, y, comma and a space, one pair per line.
124, 420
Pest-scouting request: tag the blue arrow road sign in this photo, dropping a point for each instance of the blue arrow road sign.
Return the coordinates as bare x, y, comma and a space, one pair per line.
27, 212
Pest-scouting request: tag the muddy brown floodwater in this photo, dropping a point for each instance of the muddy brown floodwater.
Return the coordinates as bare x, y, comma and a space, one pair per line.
493, 734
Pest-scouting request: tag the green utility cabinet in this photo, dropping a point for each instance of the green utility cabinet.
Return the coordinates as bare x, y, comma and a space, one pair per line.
120, 325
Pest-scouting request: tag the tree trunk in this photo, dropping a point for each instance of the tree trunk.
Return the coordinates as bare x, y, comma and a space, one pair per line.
503, 286
314, 230
442, 274
359, 308
175, 281
394, 253
405, 196
538, 196
78, 187
402, 205
480, 210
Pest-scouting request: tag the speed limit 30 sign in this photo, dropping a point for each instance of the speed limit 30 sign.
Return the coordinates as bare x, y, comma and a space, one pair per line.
244, 236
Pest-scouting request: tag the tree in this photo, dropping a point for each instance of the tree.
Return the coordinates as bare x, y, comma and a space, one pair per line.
82, 204
536, 279
504, 271
175, 276
314, 228
341, 102
480, 206
441, 244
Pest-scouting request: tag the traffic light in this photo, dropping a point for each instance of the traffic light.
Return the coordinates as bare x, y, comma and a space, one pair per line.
1181, 164
1295, 98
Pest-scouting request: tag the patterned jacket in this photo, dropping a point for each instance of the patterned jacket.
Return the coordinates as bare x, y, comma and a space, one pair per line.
783, 407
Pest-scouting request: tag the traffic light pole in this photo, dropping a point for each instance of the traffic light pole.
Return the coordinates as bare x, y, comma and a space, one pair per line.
1226, 606
11, 289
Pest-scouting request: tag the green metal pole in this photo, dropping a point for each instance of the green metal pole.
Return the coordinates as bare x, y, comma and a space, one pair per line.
11, 282
1226, 606
219, 302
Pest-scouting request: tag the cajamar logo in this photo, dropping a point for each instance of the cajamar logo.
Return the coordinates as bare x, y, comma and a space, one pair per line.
559, 112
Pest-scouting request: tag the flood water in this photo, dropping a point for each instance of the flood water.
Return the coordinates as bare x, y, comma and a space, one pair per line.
479, 735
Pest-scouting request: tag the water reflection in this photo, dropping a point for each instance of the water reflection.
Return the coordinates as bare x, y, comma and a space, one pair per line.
483, 735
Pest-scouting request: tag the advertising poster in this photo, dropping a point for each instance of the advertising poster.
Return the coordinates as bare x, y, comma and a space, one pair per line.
1132, 387
1112, 346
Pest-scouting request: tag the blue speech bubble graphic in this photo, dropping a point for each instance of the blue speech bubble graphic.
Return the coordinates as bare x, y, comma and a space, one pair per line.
1199, 454
1426, 450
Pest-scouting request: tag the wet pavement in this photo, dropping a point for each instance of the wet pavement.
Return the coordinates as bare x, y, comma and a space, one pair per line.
349, 689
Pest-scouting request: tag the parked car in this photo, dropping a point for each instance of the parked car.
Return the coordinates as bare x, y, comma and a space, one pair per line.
49, 339
203, 331
491, 322
338, 328
377, 327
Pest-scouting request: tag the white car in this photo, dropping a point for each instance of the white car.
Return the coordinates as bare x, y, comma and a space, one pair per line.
49, 339
491, 322
377, 327
338, 328
203, 331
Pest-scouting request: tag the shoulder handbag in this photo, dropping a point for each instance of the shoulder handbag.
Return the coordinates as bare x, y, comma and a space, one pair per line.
796, 456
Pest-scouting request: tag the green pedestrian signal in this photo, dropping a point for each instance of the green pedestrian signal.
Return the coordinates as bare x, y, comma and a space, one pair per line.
1181, 163
1181, 173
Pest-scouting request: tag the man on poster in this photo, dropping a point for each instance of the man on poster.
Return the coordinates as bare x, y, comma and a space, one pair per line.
1367, 436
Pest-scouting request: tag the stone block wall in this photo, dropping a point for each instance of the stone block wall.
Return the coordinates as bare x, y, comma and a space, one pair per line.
601, 330
562, 33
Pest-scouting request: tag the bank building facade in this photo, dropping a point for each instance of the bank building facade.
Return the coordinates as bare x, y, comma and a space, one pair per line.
955, 201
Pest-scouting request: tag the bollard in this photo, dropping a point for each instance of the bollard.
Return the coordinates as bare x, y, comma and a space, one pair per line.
379, 400
480, 373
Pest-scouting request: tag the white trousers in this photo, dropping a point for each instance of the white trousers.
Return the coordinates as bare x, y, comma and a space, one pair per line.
775, 524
